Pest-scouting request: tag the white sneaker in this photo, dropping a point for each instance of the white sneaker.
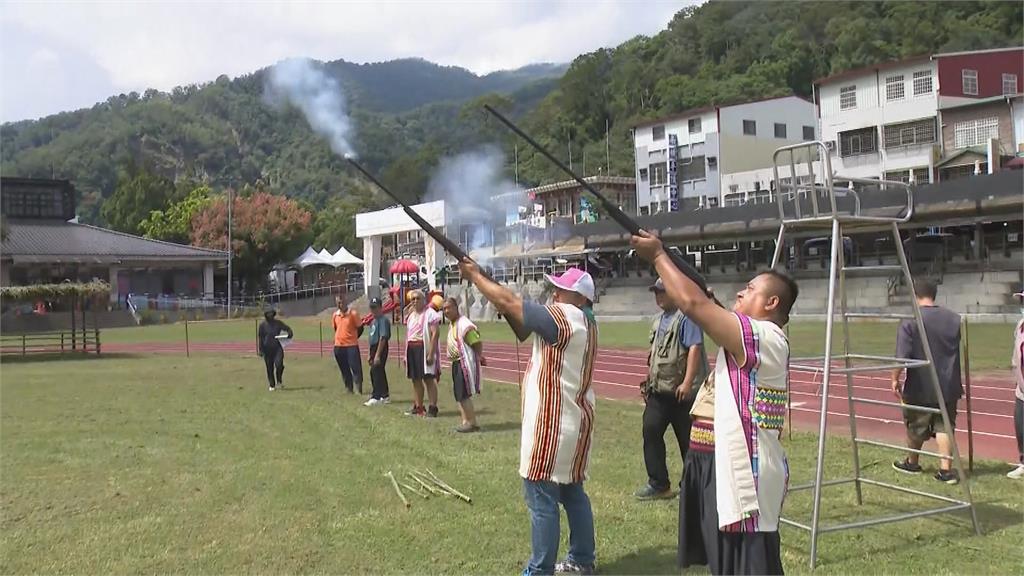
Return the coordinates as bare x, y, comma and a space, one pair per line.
1017, 473
271, 388
386, 400
372, 402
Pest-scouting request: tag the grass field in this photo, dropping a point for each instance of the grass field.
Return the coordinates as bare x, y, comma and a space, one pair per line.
159, 464
989, 343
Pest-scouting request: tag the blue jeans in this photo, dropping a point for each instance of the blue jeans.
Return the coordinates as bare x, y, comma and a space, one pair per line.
542, 499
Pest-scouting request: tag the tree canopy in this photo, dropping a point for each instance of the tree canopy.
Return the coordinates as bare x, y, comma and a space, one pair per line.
266, 229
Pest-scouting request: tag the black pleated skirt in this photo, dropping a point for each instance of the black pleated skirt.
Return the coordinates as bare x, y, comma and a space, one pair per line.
698, 515
700, 541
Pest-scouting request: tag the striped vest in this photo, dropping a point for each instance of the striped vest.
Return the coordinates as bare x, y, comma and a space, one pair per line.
558, 401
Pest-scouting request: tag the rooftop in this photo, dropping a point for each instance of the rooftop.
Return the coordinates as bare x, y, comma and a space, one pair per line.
695, 111
50, 241
854, 72
592, 180
959, 103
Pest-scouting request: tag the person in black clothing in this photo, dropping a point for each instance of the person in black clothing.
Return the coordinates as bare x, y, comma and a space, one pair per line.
380, 336
270, 347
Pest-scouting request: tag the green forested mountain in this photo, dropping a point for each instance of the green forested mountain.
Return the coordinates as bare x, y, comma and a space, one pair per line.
409, 113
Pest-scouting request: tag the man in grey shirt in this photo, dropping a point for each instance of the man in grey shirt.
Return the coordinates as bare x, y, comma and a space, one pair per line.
943, 329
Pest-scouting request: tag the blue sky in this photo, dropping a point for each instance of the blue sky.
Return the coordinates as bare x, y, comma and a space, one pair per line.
57, 56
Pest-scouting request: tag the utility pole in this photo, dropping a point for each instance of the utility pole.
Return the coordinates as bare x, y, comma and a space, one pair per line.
230, 202
607, 147
516, 149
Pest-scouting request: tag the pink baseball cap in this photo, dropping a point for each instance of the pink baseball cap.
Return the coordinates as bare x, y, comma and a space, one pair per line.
574, 280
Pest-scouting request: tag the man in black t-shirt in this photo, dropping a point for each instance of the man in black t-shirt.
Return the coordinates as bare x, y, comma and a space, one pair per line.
943, 329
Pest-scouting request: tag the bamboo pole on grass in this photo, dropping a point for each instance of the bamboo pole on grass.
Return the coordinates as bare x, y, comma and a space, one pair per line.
397, 489
448, 487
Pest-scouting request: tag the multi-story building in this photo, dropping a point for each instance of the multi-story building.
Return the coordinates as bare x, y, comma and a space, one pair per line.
702, 158
884, 121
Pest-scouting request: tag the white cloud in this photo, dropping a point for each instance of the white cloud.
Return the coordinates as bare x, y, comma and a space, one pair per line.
162, 45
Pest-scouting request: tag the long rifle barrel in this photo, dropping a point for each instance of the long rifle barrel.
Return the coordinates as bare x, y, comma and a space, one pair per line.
614, 212
449, 246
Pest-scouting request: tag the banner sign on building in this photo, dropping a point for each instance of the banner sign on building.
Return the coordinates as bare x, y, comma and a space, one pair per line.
587, 212
673, 190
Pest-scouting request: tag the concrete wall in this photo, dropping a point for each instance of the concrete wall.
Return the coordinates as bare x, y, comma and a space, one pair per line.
975, 293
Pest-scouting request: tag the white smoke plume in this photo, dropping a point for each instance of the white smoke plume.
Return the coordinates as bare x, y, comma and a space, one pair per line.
474, 186
302, 84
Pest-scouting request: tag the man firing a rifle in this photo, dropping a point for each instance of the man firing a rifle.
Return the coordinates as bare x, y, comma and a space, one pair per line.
751, 471
558, 412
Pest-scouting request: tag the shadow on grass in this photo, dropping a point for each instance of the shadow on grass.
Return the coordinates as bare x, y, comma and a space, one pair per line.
650, 560
67, 357
989, 468
954, 526
996, 517
500, 426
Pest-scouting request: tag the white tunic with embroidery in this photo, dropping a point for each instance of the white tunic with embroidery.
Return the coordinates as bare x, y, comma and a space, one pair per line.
558, 401
751, 470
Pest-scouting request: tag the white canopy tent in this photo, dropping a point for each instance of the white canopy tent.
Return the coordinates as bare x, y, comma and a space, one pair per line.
340, 258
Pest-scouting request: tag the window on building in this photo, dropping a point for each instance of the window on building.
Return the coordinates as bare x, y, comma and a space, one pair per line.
712, 202
692, 170
922, 82
975, 132
663, 206
750, 127
909, 133
565, 206
694, 125
658, 132
735, 199
808, 133
1009, 84
920, 176
970, 82
644, 210
659, 174
780, 130
643, 174
857, 142
848, 97
894, 89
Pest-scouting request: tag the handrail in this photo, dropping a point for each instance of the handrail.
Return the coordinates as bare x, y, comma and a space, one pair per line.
828, 185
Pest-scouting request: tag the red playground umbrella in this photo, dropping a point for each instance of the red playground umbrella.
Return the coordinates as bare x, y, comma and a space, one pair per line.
404, 267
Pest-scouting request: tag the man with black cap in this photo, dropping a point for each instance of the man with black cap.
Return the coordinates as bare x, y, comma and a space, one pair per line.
380, 335
271, 349
677, 365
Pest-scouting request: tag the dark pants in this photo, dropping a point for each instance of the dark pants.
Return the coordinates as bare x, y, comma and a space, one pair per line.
1018, 425
274, 359
378, 375
661, 411
351, 366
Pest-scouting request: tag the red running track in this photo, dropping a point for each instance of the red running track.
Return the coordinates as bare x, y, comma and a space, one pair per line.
618, 372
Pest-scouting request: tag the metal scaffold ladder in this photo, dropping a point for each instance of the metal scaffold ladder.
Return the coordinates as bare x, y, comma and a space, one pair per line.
806, 205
